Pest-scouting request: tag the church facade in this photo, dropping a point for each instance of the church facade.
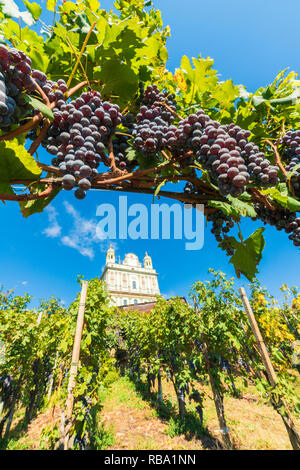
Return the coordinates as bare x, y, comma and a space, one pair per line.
130, 282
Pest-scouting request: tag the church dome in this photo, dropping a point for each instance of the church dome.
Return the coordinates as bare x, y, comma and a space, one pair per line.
131, 260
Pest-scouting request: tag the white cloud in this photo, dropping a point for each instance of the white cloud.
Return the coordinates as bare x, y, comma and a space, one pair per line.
54, 229
82, 236
24, 283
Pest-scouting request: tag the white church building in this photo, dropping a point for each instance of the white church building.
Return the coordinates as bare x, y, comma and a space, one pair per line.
130, 282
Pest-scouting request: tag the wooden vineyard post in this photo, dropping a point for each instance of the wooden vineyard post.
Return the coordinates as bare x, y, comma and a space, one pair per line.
76, 350
67, 415
259, 339
277, 402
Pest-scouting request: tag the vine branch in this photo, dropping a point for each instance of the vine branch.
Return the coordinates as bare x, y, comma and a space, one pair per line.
81, 53
27, 197
171, 110
277, 156
35, 144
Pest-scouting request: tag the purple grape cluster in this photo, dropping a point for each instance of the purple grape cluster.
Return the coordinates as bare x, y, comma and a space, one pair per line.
154, 131
215, 150
15, 77
153, 108
282, 219
224, 150
221, 223
221, 226
121, 143
55, 91
290, 145
17, 66
258, 166
78, 136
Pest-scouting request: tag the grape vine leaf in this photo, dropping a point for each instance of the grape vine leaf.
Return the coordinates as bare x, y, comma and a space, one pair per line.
39, 105
34, 8
248, 254
16, 163
5, 188
131, 154
32, 207
118, 78
280, 195
226, 208
243, 208
51, 4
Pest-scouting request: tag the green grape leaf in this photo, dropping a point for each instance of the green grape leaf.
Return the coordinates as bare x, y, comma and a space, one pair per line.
248, 254
287, 100
5, 188
83, 24
39, 105
131, 154
16, 163
257, 101
245, 196
39, 59
283, 189
226, 208
51, 4
32, 207
34, 9
243, 208
293, 204
280, 195
118, 79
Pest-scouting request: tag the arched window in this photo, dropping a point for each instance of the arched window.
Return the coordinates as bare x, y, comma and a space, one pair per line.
135, 301
133, 284
125, 302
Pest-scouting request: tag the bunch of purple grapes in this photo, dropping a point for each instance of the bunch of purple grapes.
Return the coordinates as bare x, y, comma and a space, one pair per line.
221, 226
121, 143
215, 150
224, 150
15, 77
290, 145
258, 166
282, 219
154, 121
153, 100
221, 223
78, 137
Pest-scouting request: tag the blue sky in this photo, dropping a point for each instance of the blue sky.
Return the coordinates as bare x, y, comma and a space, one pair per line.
42, 255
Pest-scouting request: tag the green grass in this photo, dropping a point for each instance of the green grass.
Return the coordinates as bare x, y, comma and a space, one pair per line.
104, 438
124, 391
